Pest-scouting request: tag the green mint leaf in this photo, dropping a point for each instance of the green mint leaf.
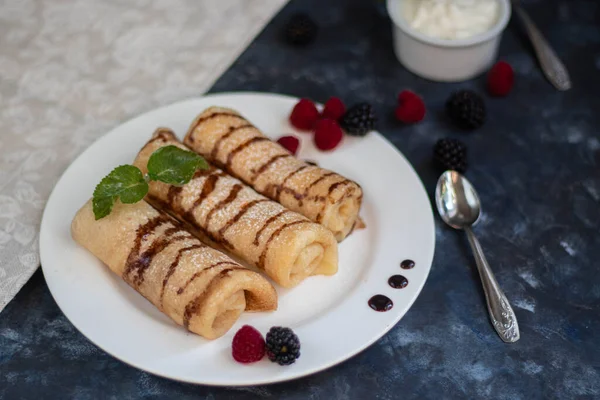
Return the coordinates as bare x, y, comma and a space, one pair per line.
174, 166
125, 182
103, 206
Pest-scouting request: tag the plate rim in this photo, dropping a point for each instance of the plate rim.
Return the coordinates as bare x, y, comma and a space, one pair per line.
255, 382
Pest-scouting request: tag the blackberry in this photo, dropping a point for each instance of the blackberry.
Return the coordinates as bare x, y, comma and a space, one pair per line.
466, 109
283, 346
450, 154
359, 119
300, 30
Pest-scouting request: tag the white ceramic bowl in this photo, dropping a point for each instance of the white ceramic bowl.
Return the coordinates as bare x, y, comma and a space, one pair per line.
445, 60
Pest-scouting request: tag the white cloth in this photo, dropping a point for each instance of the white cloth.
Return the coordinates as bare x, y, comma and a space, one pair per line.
72, 70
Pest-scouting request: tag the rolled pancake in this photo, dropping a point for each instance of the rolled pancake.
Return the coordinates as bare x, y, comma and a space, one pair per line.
196, 286
229, 141
263, 233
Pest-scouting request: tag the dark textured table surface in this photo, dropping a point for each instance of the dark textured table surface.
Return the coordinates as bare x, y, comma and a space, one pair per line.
536, 164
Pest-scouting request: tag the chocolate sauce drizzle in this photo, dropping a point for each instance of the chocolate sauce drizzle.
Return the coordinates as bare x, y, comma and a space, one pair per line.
196, 124
266, 224
245, 208
266, 165
199, 273
380, 303
398, 282
163, 134
273, 191
241, 147
232, 129
220, 205
315, 183
277, 232
137, 263
174, 265
208, 187
289, 176
192, 307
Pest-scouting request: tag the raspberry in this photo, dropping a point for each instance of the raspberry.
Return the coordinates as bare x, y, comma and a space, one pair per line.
500, 79
334, 109
328, 134
304, 115
290, 143
248, 345
410, 108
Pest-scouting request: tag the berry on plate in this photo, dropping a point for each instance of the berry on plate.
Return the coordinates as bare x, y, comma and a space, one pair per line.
328, 134
283, 346
300, 30
334, 109
304, 115
500, 79
410, 108
450, 154
248, 345
466, 109
290, 143
359, 119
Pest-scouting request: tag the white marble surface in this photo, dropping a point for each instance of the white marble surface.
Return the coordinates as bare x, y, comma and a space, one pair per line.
70, 70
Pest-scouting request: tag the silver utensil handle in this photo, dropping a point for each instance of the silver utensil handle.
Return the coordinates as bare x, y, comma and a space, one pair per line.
501, 313
553, 68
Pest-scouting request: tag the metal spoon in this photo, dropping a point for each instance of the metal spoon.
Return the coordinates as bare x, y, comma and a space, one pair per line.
458, 205
553, 68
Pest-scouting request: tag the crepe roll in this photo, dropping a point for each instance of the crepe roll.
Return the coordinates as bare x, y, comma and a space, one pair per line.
228, 140
287, 246
196, 286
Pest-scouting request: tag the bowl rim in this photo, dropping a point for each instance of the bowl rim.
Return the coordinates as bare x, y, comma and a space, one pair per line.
402, 24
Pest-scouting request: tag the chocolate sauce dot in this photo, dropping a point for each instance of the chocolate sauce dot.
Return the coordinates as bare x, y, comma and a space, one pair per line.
398, 282
407, 264
380, 303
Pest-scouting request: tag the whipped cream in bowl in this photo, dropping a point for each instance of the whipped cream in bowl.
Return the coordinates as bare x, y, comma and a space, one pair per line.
451, 19
448, 40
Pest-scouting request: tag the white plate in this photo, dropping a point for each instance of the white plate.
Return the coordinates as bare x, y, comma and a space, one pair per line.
329, 314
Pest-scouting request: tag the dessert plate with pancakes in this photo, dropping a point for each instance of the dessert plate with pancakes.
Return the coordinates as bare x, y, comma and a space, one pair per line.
260, 238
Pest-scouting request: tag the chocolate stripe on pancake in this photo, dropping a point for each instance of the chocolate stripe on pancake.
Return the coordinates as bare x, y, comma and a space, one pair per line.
281, 186
174, 265
277, 232
230, 198
199, 121
332, 187
192, 307
141, 232
315, 183
242, 147
335, 185
232, 130
245, 208
161, 134
142, 263
266, 224
266, 165
199, 273
209, 186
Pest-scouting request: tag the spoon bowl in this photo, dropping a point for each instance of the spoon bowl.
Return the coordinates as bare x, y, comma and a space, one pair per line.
457, 201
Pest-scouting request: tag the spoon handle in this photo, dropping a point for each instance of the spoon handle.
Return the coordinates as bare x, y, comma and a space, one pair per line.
501, 313
552, 66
